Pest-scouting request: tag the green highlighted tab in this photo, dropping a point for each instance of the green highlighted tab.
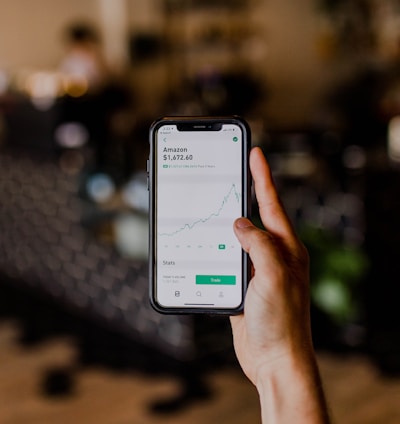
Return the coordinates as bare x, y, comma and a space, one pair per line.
226, 280
221, 247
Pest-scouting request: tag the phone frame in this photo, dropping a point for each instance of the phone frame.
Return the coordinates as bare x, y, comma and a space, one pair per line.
195, 123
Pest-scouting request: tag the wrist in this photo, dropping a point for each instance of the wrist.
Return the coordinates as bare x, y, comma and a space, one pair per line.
290, 389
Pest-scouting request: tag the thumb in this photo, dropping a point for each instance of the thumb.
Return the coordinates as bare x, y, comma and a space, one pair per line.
242, 227
251, 238
259, 244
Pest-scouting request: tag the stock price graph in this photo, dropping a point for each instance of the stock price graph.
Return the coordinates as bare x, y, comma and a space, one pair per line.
232, 196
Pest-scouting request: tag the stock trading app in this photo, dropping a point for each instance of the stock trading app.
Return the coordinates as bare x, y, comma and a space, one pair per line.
199, 195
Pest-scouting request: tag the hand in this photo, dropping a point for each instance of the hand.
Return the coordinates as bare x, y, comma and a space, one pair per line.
272, 337
276, 319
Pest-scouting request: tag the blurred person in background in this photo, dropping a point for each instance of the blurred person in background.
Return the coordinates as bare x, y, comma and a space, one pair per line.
93, 95
84, 62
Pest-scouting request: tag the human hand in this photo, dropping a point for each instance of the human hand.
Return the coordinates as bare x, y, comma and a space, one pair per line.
276, 319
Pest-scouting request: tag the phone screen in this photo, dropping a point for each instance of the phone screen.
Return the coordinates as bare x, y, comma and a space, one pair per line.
200, 188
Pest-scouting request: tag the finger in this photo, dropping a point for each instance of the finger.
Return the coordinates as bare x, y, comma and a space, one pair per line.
257, 243
272, 213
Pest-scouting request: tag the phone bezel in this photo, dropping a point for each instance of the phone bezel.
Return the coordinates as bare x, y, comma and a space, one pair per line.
201, 123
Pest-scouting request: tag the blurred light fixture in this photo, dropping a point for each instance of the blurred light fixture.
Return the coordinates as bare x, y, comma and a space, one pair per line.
131, 235
333, 296
135, 193
100, 187
75, 85
43, 88
71, 135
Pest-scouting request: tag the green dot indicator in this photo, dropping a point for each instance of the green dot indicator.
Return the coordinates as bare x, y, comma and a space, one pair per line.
221, 247
235, 139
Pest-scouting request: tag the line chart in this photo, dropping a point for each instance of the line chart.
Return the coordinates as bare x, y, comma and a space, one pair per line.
232, 193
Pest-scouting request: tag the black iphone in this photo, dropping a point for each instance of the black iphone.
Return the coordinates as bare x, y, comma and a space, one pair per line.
199, 183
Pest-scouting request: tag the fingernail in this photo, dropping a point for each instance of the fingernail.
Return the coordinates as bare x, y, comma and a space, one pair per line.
243, 223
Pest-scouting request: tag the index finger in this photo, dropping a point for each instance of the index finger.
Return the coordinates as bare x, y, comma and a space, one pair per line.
272, 213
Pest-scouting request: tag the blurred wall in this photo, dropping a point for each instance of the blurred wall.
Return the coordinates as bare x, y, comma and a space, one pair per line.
31, 31
286, 48
296, 67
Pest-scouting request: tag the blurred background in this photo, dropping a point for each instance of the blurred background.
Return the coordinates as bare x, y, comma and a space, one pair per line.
80, 83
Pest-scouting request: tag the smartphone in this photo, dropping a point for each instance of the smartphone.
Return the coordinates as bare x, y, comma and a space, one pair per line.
199, 183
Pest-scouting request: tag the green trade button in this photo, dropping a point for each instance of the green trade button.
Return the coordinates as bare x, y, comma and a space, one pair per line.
227, 280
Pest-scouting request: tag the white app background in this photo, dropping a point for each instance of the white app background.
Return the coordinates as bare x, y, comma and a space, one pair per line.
199, 195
